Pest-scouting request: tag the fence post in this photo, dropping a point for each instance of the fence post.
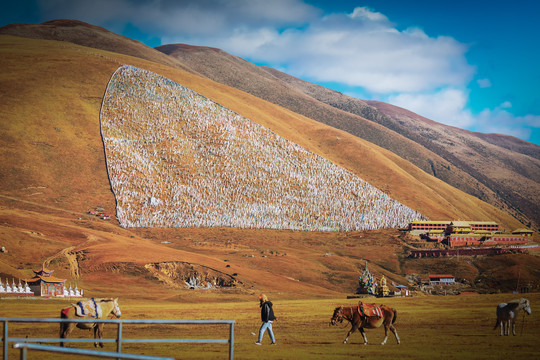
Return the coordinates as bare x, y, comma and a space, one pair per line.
5, 338
231, 341
23, 355
119, 338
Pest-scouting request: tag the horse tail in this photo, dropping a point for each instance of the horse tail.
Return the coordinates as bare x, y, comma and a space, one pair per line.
395, 316
63, 315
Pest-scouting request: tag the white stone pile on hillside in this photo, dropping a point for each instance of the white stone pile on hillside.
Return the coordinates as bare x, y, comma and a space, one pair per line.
178, 159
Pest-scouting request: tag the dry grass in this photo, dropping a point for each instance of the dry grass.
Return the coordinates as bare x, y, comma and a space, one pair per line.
449, 327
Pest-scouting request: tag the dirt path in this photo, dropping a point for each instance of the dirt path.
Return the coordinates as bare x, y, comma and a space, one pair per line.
72, 260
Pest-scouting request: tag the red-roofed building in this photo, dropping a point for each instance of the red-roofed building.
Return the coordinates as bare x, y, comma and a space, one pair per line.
441, 279
45, 284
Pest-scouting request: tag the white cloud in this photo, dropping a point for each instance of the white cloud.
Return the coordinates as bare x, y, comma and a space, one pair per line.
501, 121
186, 18
357, 51
367, 13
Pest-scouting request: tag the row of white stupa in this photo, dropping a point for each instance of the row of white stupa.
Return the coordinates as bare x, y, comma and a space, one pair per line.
25, 290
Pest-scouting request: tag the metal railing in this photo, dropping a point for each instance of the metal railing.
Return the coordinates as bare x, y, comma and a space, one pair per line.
24, 347
119, 340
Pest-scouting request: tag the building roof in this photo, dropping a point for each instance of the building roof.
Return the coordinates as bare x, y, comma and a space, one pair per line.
441, 276
429, 222
49, 279
522, 231
43, 270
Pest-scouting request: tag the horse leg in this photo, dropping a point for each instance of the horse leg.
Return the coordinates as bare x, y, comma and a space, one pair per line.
98, 333
513, 322
353, 328
362, 331
62, 333
65, 330
394, 331
385, 334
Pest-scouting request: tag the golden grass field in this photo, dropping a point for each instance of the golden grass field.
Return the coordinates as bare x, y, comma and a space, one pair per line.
444, 327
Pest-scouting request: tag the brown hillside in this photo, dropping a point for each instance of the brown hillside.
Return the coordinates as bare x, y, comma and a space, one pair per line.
53, 171
418, 142
512, 183
509, 166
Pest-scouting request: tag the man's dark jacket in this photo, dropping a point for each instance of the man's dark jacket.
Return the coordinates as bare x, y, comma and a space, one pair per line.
267, 313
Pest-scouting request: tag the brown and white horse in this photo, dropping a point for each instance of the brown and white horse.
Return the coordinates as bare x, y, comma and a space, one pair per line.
507, 314
359, 321
103, 309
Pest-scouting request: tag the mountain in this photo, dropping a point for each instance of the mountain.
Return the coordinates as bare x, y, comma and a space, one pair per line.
501, 170
54, 171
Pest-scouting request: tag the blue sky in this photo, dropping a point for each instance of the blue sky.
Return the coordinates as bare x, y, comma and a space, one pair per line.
470, 64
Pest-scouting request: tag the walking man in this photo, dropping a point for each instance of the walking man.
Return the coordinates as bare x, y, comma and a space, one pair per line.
267, 317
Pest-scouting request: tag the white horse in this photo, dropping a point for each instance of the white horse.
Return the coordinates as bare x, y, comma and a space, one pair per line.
507, 314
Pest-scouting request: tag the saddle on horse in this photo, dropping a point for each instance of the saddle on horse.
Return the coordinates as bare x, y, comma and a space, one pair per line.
369, 310
88, 308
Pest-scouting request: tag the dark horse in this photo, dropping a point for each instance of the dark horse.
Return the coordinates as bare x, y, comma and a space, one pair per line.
359, 320
103, 308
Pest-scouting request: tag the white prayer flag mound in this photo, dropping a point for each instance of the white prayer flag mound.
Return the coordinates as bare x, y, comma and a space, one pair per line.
178, 159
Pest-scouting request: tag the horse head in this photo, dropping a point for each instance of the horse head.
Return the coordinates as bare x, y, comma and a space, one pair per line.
116, 309
525, 305
338, 316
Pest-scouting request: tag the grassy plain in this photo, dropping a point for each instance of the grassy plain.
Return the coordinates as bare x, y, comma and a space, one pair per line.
444, 327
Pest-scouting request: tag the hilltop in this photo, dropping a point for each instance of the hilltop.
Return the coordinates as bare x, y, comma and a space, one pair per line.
54, 171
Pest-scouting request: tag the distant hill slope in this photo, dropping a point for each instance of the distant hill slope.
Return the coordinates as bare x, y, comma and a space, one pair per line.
501, 170
507, 165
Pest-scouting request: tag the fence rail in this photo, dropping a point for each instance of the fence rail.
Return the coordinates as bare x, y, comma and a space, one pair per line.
24, 347
119, 340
